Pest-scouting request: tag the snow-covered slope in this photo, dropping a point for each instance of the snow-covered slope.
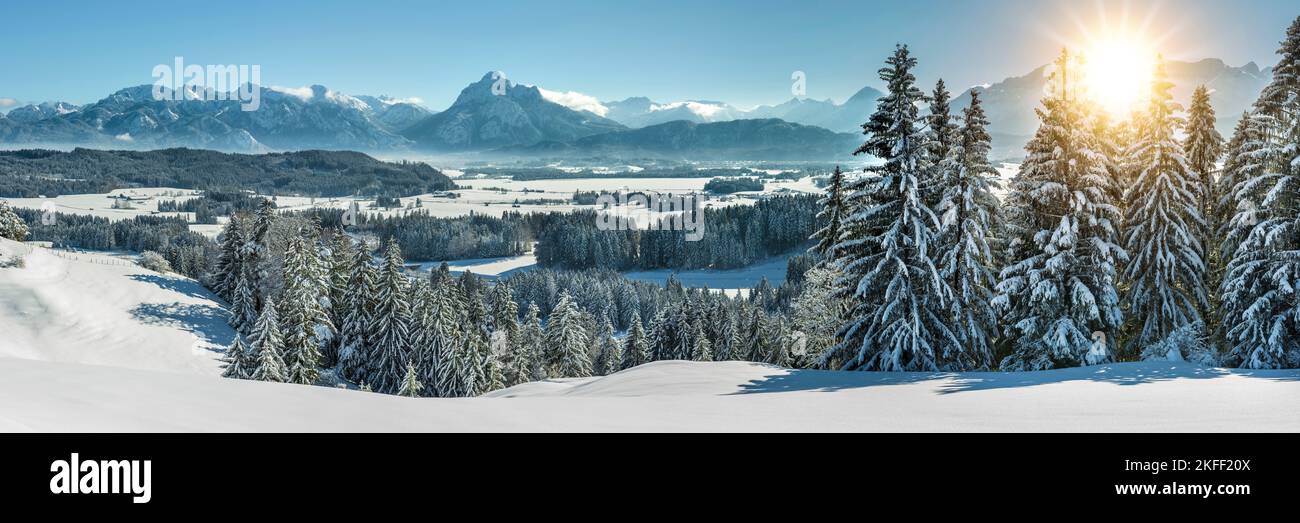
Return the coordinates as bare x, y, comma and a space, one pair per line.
669, 396
104, 310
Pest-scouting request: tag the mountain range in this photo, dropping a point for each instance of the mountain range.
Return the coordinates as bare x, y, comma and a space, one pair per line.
494, 114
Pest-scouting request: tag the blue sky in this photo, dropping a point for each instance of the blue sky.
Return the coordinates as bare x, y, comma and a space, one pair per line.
738, 52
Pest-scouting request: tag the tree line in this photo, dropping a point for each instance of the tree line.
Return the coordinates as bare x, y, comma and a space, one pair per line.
1117, 240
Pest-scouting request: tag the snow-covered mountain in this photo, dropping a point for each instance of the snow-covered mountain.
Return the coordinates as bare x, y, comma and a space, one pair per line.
37, 112
1010, 103
312, 117
496, 112
847, 117
642, 112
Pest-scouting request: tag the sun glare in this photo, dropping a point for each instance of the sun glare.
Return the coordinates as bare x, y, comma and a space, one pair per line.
1117, 73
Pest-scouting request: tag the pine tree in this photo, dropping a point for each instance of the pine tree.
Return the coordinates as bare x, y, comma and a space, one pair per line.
757, 346
256, 253
701, 349
342, 262
11, 225
533, 338
1203, 147
354, 344
267, 346
1166, 271
303, 313
970, 216
566, 341
238, 364
831, 213
1260, 280
779, 337
243, 315
443, 332
389, 333
411, 385
817, 312
636, 349
608, 354
1059, 290
229, 267
898, 319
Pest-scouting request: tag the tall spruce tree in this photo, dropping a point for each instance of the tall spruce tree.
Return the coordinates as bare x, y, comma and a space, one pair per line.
303, 314
897, 319
229, 267
342, 261
1166, 272
354, 334
970, 216
1261, 278
1059, 290
389, 332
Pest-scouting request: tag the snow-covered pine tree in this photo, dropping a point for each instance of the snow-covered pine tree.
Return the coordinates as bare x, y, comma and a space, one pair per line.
1059, 292
1242, 162
1261, 278
608, 354
303, 315
243, 315
238, 364
941, 135
229, 267
533, 344
566, 341
636, 348
267, 346
411, 385
256, 253
701, 349
1203, 146
757, 343
443, 334
970, 216
817, 312
897, 319
779, 336
1166, 273
354, 344
832, 213
11, 225
389, 332
341, 264
725, 340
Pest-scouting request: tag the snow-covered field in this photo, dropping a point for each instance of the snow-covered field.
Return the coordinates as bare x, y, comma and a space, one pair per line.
669, 396
90, 342
143, 201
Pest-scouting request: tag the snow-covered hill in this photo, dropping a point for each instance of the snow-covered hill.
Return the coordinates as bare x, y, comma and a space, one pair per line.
90, 342
104, 310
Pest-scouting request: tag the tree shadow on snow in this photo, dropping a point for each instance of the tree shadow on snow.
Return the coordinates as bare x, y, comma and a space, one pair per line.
184, 286
951, 382
205, 321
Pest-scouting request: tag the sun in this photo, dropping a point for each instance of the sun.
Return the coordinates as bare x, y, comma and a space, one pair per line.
1117, 73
